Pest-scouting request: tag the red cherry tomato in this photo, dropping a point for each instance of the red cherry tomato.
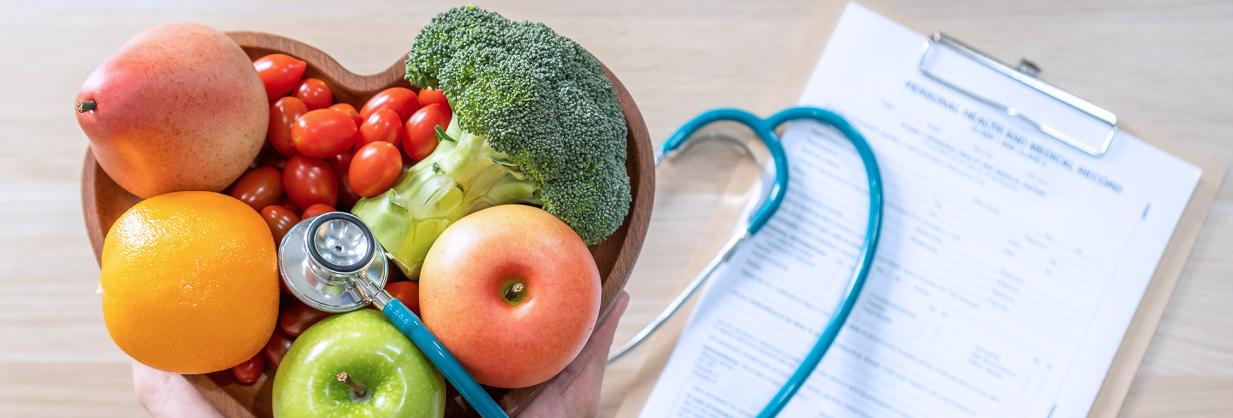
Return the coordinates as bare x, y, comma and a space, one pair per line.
323, 133
259, 187
276, 348
429, 95
283, 200
248, 372
383, 125
374, 168
297, 317
280, 220
316, 209
283, 114
399, 99
279, 73
406, 291
315, 93
309, 180
341, 162
349, 110
270, 158
421, 132
346, 196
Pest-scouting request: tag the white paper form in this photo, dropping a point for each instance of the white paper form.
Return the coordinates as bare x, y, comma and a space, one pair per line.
1009, 269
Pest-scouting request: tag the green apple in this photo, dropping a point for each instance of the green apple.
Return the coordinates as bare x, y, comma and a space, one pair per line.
356, 365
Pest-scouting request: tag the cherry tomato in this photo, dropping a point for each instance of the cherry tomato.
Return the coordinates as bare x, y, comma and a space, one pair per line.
297, 317
283, 114
315, 93
340, 163
280, 220
346, 196
349, 110
308, 180
323, 133
383, 125
429, 95
272, 159
279, 73
406, 291
399, 99
421, 132
276, 348
259, 187
284, 201
248, 372
316, 209
374, 168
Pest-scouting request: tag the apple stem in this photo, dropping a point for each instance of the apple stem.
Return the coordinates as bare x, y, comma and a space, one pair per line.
356, 387
514, 291
87, 106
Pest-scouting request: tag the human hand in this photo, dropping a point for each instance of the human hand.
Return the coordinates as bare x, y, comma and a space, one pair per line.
165, 394
573, 393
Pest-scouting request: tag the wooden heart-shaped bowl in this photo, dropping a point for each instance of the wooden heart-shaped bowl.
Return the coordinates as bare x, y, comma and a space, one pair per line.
103, 201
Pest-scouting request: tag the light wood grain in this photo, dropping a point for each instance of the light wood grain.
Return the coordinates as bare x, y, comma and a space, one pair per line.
1164, 68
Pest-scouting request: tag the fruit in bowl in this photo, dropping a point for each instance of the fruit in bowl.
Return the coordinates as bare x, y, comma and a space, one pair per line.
306, 186
189, 282
513, 292
180, 100
357, 365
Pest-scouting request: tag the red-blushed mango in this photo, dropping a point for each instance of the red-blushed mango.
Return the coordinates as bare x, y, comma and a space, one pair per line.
179, 107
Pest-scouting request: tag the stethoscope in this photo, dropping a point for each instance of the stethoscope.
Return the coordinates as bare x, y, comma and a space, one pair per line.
764, 129
333, 262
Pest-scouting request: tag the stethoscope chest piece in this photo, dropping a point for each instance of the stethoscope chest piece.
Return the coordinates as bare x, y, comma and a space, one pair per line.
325, 261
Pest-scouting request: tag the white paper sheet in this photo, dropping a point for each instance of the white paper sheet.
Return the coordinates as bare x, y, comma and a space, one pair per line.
1009, 269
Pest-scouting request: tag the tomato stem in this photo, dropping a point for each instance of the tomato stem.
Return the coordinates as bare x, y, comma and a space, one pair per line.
356, 388
87, 106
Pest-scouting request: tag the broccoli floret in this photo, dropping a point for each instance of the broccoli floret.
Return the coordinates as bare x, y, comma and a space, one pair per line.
535, 121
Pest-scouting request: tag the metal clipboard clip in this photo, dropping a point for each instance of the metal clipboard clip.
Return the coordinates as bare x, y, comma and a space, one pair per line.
1053, 111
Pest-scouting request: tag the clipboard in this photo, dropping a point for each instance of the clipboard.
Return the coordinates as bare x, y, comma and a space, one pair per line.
1135, 342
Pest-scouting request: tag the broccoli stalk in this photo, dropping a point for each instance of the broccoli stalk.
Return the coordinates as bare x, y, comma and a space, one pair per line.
535, 121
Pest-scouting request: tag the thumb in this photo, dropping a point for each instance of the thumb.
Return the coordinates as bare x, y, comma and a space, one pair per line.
575, 392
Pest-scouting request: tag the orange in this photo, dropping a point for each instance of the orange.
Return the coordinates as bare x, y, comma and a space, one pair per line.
190, 282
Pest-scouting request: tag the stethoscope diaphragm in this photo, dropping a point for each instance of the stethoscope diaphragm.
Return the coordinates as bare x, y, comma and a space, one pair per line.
324, 258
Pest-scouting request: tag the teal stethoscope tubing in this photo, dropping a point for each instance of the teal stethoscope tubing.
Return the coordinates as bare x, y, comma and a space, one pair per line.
765, 130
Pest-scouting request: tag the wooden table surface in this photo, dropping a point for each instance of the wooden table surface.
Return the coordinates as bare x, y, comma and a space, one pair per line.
1163, 68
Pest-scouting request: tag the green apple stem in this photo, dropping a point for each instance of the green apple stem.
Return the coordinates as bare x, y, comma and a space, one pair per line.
358, 389
87, 106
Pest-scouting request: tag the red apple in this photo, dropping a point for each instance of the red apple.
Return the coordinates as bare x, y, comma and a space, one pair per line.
512, 292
